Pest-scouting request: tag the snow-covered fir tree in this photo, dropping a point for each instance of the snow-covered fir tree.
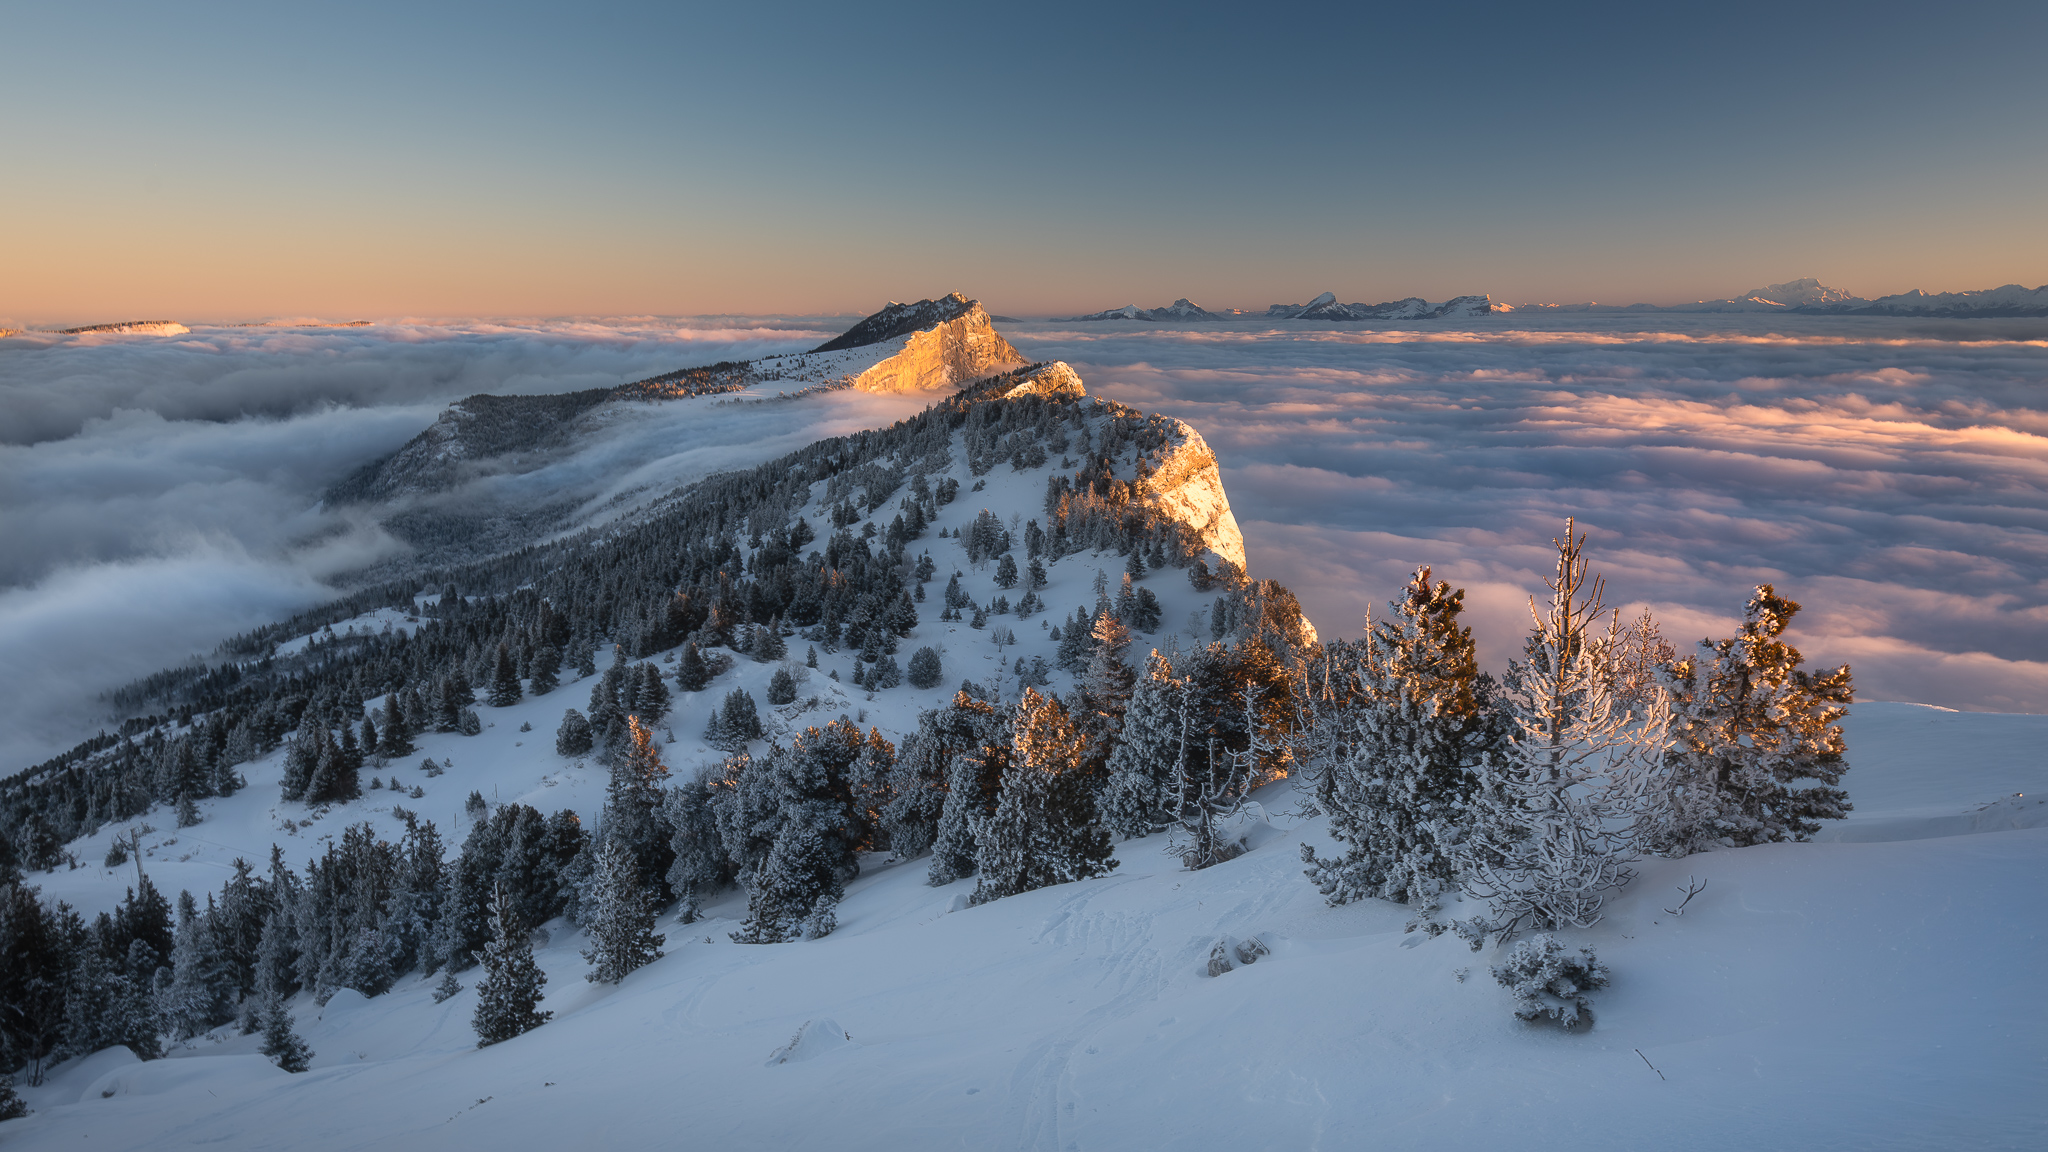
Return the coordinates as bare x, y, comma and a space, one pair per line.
573, 737
508, 995
618, 915
1401, 722
1136, 796
632, 806
196, 997
1044, 828
281, 1039
1749, 727
1559, 816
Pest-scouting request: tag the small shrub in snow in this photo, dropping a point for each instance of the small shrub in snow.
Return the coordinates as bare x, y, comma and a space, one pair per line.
822, 919
1550, 982
281, 1041
11, 1107
117, 853
574, 737
782, 687
449, 986
926, 669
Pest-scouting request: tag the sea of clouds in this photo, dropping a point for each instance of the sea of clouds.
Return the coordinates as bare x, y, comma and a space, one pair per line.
1890, 476
159, 494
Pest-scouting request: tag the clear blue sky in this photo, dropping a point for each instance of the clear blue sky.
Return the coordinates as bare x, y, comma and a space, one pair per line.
214, 161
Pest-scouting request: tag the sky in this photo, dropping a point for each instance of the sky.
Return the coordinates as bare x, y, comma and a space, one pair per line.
224, 161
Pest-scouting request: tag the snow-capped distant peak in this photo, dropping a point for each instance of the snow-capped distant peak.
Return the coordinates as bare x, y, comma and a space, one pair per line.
1325, 298
1805, 293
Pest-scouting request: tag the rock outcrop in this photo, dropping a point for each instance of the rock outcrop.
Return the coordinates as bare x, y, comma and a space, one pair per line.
1185, 485
945, 354
1049, 379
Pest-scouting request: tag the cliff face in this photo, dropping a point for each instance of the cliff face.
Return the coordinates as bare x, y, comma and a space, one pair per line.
1186, 486
1178, 476
945, 355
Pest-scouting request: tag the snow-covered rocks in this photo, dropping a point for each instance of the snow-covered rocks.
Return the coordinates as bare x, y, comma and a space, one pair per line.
821, 1037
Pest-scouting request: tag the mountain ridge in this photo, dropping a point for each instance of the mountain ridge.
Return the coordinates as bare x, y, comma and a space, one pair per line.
925, 346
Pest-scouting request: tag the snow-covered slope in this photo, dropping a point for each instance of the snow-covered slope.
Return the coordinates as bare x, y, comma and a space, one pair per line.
1178, 480
1869, 993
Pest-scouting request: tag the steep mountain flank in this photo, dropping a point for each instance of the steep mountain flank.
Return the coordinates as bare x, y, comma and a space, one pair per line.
1185, 485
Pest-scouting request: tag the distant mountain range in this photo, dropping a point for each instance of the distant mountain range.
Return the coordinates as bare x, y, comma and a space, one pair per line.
1807, 296
1323, 307
1811, 297
1182, 309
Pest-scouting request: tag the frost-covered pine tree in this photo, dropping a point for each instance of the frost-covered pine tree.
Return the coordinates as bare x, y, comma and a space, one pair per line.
573, 738
504, 680
801, 869
1748, 725
1560, 814
1550, 982
448, 987
1136, 798
632, 806
1399, 722
1044, 829
197, 995
700, 865
281, 1040
618, 916
973, 752
508, 995
736, 721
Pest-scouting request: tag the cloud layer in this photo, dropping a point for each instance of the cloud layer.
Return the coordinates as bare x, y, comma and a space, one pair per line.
1893, 479
160, 494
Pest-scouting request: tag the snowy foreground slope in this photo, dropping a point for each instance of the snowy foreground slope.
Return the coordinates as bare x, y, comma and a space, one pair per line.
1879, 990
